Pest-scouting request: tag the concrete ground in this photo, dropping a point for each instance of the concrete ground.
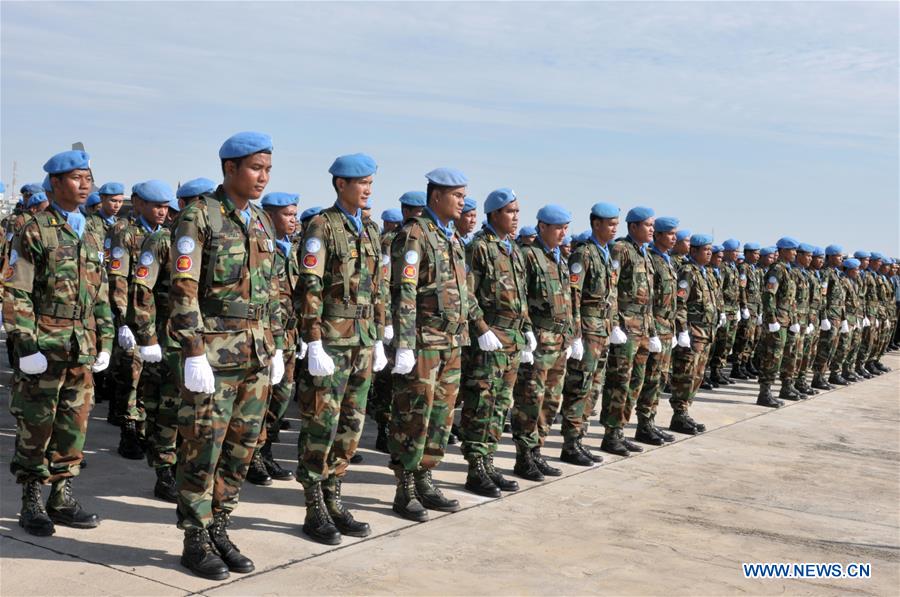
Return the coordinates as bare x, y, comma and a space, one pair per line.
817, 481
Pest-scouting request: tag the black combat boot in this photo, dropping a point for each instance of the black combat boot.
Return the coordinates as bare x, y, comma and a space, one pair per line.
682, 423
765, 397
33, 517
737, 371
787, 391
881, 366
595, 458
343, 519
406, 504
849, 375
275, 470
804, 387
165, 484
64, 509
646, 433
719, 376
200, 557
478, 481
746, 369
430, 496
318, 524
819, 383
543, 465
526, 467
837, 379
707, 383
129, 442
861, 372
381, 442
228, 551
613, 442
571, 454
497, 477
256, 472
872, 369
666, 437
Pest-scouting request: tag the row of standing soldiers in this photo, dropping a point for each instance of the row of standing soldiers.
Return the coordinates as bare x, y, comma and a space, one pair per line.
215, 312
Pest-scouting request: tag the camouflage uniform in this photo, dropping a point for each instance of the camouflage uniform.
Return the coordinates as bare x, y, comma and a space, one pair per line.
811, 340
379, 406
779, 305
833, 309
790, 363
853, 308
730, 282
225, 307
751, 300
872, 311
664, 309
697, 314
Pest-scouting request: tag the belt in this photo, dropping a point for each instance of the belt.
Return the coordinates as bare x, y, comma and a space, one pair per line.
349, 311
595, 311
62, 310
549, 324
509, 323
233, 309
444, 325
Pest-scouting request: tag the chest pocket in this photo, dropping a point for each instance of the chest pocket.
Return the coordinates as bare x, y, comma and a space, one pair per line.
231, 259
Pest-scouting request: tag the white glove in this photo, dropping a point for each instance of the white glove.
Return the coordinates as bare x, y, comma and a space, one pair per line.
150, 354
532, 341
617, 336
379, 361
684, 340
795, 328
876, 323
774, 327
759, 319
655, 344
675, 341
388, 334
301, 354
319, 363
722, 319
526, 357
866, 323
809, 329
577, 349
33, 364
198, 375
404, 361
845, 327
488, 342
825, 325
737, 316
126, 338
101, 362
276, 367
745, 313
568, 352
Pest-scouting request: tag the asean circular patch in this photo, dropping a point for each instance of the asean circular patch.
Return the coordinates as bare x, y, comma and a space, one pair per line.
115, 264
574, 278
183, 263
409, 271
576, 268
411, 258
142, 271
185, 244
118, 252
313, 245
310, 261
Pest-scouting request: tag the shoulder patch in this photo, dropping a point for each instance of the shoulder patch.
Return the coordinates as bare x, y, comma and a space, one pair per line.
118, 252
576, 268
107, 243
183, 263
310, 261
313, 245
411, 258
615, 264
13, 257
146, 258
185, 245
142, 272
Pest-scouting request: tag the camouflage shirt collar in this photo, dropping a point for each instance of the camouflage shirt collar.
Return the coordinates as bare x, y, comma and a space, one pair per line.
447, 230
503, 241
145, 225
354, 219
663, 254
642, 247
552, 252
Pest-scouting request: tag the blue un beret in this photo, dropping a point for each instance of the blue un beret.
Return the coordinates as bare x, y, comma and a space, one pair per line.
45, 185
470, 204
766, 251
566, 241
195, 187
36, 199
876, 256
279, 199
604, 210
528, 231
554, 214
638, 214
682, 234
245, 143
92, 200
851, 263
68, 161
701, 240
751, 246
887, 261
310, 213
498, 199
447, 177
665, 224
31, 188
834, 250
392, 215
112, 188
806, 248
173, 204
818, 252
731, 244
354, 165
155, 191
717, 248
413, 199
786, 242
862, 255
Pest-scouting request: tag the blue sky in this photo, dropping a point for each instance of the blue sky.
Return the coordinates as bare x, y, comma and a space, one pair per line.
752, 120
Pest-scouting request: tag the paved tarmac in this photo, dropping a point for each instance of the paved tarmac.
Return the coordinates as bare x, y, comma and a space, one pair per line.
817, 481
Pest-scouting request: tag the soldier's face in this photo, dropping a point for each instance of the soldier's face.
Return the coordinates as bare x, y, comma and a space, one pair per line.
702, 255
804, 259
817, 262
391, 226
285, 220
354, 192
466, 222
788, 255
565, 251
863, 263
605, 229
751, 256
411, 212
112, 204
154, 213
683, 246
40, 207
506, 219
248, 179
448, 204
875, 264
664, 240
730, 256
853, 273
641, 232
72, 188
835, 260
716, 259
552, 235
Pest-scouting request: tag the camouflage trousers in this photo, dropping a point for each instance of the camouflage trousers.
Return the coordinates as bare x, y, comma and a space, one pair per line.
581, 386
280, 397
379, 406
422, 409
657, 370
845, 355
790, 360
809, 351
162, 399
725, 339
126, 373
51, 411
826, 350
332, 414
219, 432
486, 396
746, 338
771, 353
688, 367
537, 393
625, 371
866, 344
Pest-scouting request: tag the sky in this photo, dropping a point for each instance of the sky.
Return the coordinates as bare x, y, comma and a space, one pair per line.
747, 120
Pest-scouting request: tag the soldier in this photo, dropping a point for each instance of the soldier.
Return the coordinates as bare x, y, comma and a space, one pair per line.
565, 248
696, 317
226, 319
91, 205
895, 282
816, 304
664, 307
790, 363
858, 345
779, 316
681, 249
633, 335
526, 236
853, 315
307, 215
339, 303
465, 223
56, 312
750, 303
832, 316
500, 322
191, 190
391, 220
885, 322
731, 290
715, 283
592, 280
874, 314
430, 307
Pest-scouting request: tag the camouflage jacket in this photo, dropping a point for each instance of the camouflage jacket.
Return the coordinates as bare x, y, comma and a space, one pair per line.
816, 296
853, 300
497, 286
665, 282
801, 297
779, 299
124, 250
223, 294
714, 280
886, 296
731, 287
430, 303
150, 311
835, 292
696, 311
387, 238
869, 291
634, 288
339, 297
593, 281
55, 292
750, 296
678, 261
549, 297
96, 225
287, 270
